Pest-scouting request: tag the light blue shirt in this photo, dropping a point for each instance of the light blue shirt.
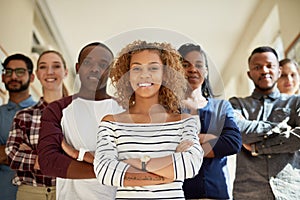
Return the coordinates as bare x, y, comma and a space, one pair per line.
7, 113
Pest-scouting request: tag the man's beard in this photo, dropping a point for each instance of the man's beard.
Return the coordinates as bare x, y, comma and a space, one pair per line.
22, 88
266, 88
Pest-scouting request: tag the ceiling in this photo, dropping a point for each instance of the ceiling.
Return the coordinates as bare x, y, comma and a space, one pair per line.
217, 25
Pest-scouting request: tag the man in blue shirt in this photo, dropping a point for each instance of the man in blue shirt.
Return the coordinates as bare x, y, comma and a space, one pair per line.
17, 76
265, 119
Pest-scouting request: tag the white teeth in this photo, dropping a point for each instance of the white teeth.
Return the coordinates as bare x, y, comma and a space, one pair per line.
50, 79
93, 78
144, 84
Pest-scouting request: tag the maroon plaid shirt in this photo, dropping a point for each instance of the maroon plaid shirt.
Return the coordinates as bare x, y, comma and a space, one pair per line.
25, 129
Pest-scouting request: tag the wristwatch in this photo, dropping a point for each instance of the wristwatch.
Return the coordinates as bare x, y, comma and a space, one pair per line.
144, 161
81, 154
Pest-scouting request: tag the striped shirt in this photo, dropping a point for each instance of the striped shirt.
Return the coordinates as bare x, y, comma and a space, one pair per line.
25, 129
117, 141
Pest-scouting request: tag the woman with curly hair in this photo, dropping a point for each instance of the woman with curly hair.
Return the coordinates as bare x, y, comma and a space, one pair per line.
149, 149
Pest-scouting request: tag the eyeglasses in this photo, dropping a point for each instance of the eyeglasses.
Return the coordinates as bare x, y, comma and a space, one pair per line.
19, 72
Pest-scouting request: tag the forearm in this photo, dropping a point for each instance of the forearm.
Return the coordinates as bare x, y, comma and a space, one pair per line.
80, 170
136, 177
254, 131
228, 143
208, 150
73, 153
26, 163
278, 144
162, 166
3, 156
204, 139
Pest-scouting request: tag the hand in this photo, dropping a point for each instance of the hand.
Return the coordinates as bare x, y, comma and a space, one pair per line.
24, 147
296, 132
69, 150
282, 129
191, 105
36, 164
134, 162
184, 146
89, 157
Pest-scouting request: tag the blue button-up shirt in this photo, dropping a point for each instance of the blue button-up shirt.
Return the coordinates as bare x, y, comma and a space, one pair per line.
212, 181
261, 113
7, 113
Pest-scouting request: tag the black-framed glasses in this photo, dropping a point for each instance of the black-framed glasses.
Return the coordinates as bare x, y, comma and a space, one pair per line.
19, 72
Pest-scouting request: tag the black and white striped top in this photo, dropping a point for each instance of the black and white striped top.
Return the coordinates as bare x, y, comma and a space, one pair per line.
117, 141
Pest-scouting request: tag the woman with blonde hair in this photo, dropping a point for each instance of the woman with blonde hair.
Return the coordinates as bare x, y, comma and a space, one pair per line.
142, 150
21, 146
289, 81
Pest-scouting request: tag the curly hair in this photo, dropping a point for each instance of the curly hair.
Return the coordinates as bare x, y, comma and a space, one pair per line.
173, 87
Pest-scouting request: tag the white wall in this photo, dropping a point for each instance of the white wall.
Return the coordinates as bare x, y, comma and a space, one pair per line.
271, 19
17, 23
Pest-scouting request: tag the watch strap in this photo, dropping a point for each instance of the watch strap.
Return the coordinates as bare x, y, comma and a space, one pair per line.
144, 166
81, 154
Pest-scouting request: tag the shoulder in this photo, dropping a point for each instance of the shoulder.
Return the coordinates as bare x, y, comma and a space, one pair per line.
185, 115
186, 118
238, 102
61, 103
3, 107
26, 112
189, 121
54, 110
234, 99
221, 103
108, 118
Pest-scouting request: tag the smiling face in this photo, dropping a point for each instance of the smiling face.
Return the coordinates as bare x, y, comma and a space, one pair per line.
195, 69
146, 73
51, 71
289, 80
92, 67
17, 83
264, 71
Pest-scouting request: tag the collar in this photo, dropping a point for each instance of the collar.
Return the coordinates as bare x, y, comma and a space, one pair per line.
197, 93
42, 102
23, 104
258, 95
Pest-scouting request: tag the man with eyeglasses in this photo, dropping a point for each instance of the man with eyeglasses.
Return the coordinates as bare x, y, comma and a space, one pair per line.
17, 76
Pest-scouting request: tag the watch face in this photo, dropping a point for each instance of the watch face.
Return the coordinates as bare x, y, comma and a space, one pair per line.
145, 158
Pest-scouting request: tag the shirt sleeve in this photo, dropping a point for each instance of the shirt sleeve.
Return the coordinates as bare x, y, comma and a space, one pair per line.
187, 164
108, 169
52, 160
278, 144
252, 130
229, 141
21, 160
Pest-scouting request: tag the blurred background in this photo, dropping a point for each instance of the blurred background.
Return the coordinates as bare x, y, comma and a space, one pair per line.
228, 30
